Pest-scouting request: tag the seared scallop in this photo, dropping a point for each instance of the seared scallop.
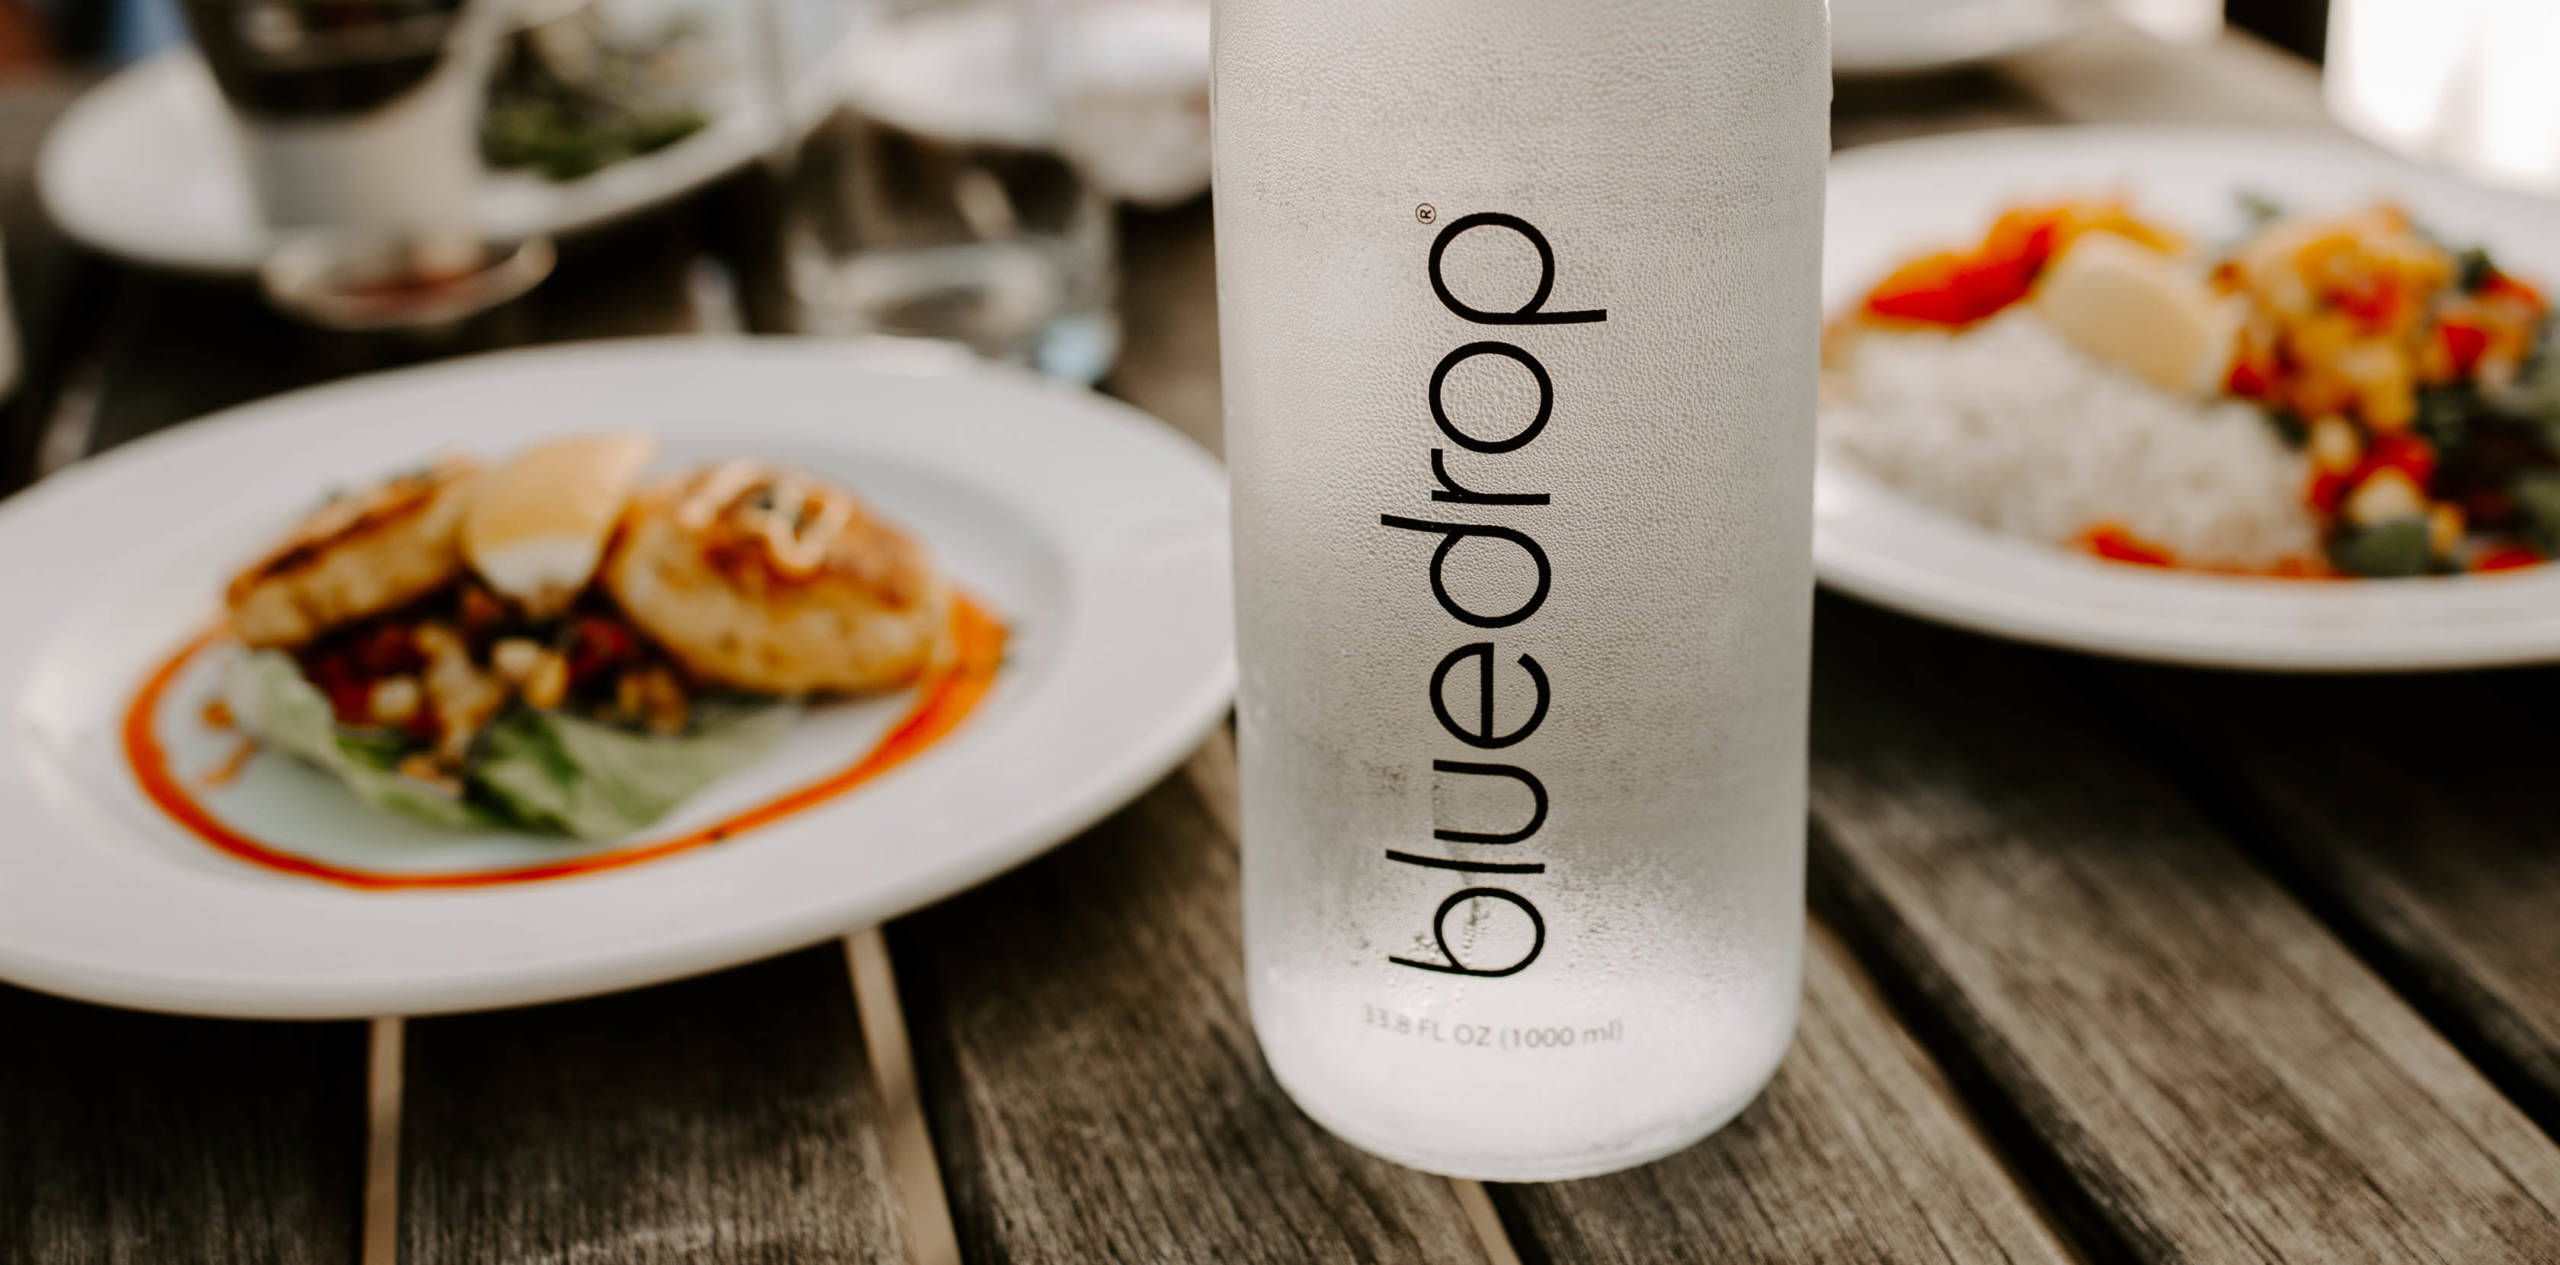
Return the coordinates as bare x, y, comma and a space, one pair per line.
774, 582
361, 554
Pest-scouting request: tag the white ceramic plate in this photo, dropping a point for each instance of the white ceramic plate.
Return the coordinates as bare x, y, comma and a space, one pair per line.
148, 165
1887, 201
1900, 37
1095, 533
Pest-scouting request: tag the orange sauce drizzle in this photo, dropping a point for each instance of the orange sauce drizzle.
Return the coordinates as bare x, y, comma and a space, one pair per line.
2113, 542
227, 772
946, 696
2117, 544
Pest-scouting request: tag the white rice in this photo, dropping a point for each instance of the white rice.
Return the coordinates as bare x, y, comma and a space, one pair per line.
2012, 427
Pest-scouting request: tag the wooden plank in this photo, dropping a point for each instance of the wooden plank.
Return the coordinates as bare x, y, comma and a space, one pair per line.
184, 347
1169, 319
1868, 111
181, 347
1856, 1152
2205, 1072
1093, 1081
53, 290
2418, 813
722, 1119
134, 1138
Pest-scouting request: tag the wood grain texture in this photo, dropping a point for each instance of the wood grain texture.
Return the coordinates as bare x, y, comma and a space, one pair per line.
183, 347
902, 1127
2419, 813
2213, 1075
137, 1139
1856, 1152
53, 290
1870, 111
386, 1061
1093, 1080
1169, 319
729, 1118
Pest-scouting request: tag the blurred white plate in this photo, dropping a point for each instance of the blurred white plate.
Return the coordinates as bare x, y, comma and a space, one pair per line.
1892, 37
148, 167
1095, 533
1888, 201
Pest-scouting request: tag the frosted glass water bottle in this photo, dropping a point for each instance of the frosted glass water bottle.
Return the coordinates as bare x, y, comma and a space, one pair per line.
1519, 318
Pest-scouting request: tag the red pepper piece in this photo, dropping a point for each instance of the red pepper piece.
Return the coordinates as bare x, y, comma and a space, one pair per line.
600, 646
2507, 558
2464, 344
2375, 305
388, 651
2407, 454
2499, 283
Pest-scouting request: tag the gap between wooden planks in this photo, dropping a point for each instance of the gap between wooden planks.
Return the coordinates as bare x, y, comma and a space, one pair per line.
912, 1161
1486, 1222
383, 1057
914, 1165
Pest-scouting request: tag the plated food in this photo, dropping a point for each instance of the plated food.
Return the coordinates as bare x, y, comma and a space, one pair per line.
2335, 391
1099, 534
552, 644
1966, 492
574, 95
612, 107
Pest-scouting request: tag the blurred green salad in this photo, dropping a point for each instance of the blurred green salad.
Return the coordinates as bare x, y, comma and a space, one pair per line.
571, 96
533, 769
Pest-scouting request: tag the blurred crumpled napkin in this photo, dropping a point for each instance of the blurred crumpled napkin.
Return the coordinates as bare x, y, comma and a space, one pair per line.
1120, 87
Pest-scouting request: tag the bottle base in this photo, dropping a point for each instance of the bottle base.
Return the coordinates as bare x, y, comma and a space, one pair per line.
1566, 1166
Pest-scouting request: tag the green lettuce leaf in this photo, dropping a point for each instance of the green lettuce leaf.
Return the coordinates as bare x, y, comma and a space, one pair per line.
2384, 550
268, 694
2537, 493
538, 771
2534, 397
555, 772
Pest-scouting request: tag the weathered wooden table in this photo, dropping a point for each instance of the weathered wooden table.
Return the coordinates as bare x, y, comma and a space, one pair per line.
2109, 963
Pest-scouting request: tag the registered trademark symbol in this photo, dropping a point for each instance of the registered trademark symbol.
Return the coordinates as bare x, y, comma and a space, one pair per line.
1425, 213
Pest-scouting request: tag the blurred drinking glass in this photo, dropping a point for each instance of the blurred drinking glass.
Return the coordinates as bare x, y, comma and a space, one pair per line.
2471, 84
931, 200
355, 114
